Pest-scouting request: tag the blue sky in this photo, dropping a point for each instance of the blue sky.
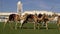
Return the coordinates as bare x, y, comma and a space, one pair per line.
48, 5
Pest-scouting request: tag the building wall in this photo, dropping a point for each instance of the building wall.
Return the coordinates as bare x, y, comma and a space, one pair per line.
42, 12
29, 12
4, 16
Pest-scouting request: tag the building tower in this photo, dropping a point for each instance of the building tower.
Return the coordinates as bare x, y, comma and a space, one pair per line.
19, 7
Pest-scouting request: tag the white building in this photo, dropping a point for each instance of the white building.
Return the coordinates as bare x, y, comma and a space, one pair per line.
38, 12
19, 7
4, 15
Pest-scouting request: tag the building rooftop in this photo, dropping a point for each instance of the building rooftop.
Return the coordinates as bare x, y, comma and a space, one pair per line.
6, 13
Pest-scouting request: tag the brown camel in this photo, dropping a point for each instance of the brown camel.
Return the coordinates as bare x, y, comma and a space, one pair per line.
13, 18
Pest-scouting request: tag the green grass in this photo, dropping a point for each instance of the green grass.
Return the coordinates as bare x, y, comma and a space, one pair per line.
29, 30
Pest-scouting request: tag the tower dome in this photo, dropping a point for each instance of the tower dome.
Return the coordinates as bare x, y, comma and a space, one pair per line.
19, 7
19, 2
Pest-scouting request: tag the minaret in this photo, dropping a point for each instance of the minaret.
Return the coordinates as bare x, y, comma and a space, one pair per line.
19, 7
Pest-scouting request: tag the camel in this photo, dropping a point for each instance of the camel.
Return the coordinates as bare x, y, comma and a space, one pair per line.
31, 18
35, 18
55, 17
43, 19
13, 18
46, 19
58, 22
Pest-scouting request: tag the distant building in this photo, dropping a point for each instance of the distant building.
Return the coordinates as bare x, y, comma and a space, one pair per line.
41, 12
19, 7
4, 15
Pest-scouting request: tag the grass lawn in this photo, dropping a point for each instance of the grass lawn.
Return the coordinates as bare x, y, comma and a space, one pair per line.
29, 30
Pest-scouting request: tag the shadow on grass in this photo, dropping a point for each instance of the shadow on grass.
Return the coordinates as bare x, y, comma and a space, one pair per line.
36, 28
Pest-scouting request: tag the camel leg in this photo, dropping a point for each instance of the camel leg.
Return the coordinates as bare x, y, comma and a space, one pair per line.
38, 26
46, 25
34, 25
22, 23
10, 24
5, 24
58, 24
16, 25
